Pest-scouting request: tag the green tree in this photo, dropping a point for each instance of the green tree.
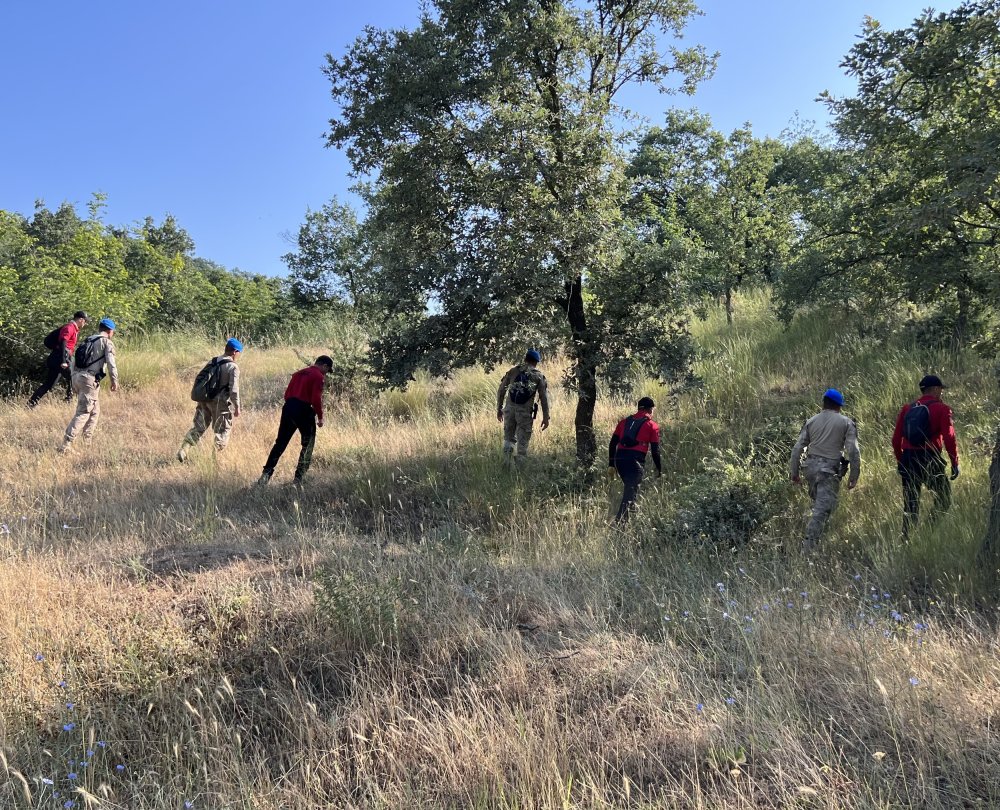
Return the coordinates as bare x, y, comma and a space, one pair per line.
326, 267
490, 134
907, 209
725, 194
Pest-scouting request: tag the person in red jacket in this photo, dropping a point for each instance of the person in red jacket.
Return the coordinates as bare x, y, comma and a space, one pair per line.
58, 363
923, 428
635, 436
302, 411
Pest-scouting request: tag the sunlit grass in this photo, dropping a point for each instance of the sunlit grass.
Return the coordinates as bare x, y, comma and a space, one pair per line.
423, 627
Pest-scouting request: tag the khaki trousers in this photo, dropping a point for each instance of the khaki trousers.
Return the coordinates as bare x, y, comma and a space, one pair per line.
88, 407
517, 427
217, 415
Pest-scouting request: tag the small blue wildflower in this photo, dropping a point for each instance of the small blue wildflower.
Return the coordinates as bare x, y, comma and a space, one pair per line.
857, 577
887, 634
732, 603
914, 681
766, 608
70, 706
119, 768
730, 701
101, 744
69, 726
700, 708
63, 685
188, 805
39, 657
90, 753
46, 781
748, 618
789, 605
69, 803
919, 626
71, 776
804, 594
720, 586
686, 613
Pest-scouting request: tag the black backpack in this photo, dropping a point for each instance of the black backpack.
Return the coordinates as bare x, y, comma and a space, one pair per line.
86, 353
630, 436
208, 382
917, 425
522, 390
51, 341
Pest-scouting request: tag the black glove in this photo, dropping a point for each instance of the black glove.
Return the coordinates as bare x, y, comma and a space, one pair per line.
954, 471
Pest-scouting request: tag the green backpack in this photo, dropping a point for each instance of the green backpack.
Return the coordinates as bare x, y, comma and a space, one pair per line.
208, 383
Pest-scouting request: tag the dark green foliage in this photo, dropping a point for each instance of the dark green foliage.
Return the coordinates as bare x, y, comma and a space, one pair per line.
727, 505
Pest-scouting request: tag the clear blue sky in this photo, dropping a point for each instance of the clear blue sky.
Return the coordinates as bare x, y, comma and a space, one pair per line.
214, 110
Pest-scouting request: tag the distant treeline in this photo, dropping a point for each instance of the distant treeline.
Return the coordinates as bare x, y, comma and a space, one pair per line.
145, 277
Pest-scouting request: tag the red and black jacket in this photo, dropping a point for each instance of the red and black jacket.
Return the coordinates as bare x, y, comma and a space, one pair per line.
647, 441
942, 429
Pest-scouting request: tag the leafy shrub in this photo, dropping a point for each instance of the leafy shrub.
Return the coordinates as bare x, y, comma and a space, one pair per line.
729, 504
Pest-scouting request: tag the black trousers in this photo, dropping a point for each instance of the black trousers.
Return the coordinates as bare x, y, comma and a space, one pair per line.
296, 415
923, 468
631, 470
53, 371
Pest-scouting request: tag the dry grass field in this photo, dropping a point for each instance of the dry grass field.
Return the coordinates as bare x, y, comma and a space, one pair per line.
420, 627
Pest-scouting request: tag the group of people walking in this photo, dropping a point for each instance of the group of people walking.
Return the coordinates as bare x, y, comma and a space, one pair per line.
216, 392
924, 428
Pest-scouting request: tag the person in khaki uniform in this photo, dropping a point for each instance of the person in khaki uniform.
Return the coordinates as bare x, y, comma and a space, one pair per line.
827, 435
92, 356
516, 404
220, 411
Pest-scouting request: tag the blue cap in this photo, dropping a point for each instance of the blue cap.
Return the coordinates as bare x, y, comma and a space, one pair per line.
532, 354
107, 323
833, 395
234, 344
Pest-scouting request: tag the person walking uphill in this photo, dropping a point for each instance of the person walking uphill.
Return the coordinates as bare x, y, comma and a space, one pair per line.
217, 391
61, 344
634, 437
516, 404
302, 411
89, 362
825, 437
923, 428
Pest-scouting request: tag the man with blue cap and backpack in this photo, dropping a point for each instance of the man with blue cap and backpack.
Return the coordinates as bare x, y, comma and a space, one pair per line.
825, 437
516, 404
216, 389
924, 428
89, 361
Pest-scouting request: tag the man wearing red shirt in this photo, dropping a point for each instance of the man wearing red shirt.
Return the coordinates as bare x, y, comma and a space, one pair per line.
57, 364
923, 429
302, 411
634, 437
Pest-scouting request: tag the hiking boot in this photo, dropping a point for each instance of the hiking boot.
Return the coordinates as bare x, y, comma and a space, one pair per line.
66, 449
182, 455
265, 477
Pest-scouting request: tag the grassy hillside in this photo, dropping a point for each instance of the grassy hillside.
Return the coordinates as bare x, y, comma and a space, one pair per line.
421, 627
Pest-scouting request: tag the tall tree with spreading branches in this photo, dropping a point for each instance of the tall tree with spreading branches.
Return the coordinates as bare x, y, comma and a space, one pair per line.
490, 141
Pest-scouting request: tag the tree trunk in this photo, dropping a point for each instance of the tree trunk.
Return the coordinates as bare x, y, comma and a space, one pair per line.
729, 305
991, 543
585, 371
961, 331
